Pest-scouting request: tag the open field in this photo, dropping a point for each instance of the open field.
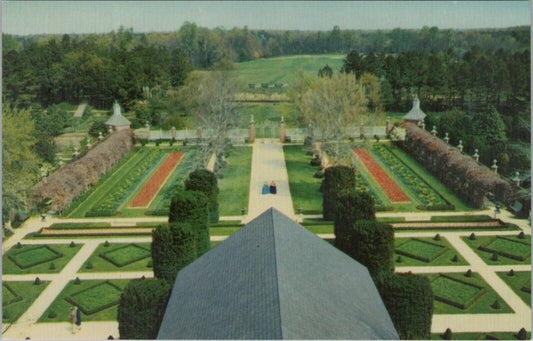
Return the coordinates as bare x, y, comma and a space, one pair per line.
282, 70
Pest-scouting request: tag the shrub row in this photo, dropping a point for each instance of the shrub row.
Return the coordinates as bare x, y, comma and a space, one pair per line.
72, 179
468, 302
102, 213
127, 262
61, 226
83, 309
459, 172
442, 251
337, 180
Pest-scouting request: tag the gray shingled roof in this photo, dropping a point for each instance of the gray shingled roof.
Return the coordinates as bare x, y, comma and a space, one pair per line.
416, 114
273, 279
117, 120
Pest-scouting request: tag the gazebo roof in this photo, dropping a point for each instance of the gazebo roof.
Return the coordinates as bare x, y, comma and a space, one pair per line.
416, 114
117, 120
273, 279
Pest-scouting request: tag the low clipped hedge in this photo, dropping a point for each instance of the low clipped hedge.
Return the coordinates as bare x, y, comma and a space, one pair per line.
158, 212
443, 250
129, 261
522, 257
74, 302
468, 302
16, 297
102, 213
67, 226
38, 261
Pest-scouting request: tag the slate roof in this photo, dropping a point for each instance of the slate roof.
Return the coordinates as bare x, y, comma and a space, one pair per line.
273, 279
416, 114
117, 120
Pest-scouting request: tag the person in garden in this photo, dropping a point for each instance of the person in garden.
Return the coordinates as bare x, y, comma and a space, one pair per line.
73, 319
78, 319
273, 189
266, 189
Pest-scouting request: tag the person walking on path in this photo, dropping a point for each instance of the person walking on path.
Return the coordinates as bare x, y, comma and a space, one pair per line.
73, 319
78, 319
273, 188
266, 189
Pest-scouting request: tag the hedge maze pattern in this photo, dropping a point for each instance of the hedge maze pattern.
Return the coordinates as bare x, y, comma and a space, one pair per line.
455, 292
96, 298
29, 257
421, 250
126, 254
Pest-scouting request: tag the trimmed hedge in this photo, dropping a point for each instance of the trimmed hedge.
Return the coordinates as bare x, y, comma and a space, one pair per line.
350, 208
191, 207
205, 181
371, 243
142, 307
61, 226
16, 296
129, 261
522, 257
102, 213
443, 249
337, 180
13, 258
469, 301
409, 301
70, 299
173, 248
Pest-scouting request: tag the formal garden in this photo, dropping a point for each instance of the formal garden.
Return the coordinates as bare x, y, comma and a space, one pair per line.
501, 250
422, 251
17, 297
36, 259
520, 282
113, 257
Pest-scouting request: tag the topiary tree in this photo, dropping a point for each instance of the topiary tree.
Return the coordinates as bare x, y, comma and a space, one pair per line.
437, 237
350, 208
521, 235
337, 180
205, 181
494, 257
37, 281
448, 335
371, 243
468, 273
522, 334
511, 273
173, 248
496, 305
455, 259
77, 281
142, 307
191, 207
472, 236
409, 301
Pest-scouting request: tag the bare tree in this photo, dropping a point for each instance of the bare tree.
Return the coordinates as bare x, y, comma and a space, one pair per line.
334, 105
209, 97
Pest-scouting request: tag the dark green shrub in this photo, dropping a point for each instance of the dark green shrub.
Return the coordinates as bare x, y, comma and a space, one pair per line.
447, 334
19, 245
437, 237
77, 281
496, 305
205, 181
319, 174
409, 301
72, 244
52, 314
315, 161
494, 257
522, 334
399, 259
157, 142
142, 307
150, 264
37, 281
521, 235
52, 266
352, 207
338, 180
371, 243
89, 265
455, 259
472, 236
510, 273
191, 207
106, 244
173, 248
468, 273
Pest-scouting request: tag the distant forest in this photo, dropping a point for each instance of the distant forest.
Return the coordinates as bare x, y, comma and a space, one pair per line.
464, 68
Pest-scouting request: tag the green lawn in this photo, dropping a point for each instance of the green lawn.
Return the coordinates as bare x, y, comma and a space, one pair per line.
439, 252
520, 283
283, 69
121, 253
234, 186
460, 291
95, 295
59, 254
17, 297
303, 185
513, 246
480, 336
269, 113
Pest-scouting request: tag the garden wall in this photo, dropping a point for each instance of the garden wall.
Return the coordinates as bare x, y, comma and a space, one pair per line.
469, 179
72, 179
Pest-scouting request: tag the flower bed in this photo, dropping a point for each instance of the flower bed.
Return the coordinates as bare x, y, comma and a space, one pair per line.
425, 194
385, 182
150, 189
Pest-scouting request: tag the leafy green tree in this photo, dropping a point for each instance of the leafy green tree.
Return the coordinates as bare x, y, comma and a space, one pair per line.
20, 164
142, 307
326, 71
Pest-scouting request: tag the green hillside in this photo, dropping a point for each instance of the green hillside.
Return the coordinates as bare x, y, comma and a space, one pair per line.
283, 69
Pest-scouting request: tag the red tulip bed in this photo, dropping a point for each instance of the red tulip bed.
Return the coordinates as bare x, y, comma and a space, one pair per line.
148, 192
385, 182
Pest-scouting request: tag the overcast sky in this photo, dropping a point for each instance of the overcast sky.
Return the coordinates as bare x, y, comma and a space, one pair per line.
33, 17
